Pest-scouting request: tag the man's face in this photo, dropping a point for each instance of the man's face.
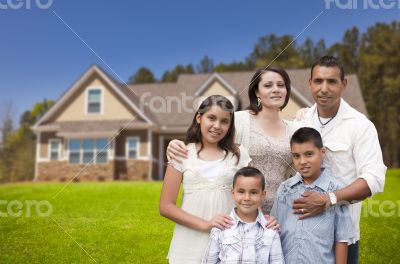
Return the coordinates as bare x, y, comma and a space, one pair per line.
326, 88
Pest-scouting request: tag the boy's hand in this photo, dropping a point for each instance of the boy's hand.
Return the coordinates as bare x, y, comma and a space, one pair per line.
310, 204
220, 221
272, 223
176, 149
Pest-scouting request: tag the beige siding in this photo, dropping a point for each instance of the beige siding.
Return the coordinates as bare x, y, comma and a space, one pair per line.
44, 144
290, 110
112, 107
216, 88
121, 142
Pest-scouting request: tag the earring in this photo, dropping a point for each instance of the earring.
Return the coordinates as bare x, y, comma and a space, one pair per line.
258, 102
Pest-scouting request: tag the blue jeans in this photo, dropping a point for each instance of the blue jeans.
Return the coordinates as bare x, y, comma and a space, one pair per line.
352, 253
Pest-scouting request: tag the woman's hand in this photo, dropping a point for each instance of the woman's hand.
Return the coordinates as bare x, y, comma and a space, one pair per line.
220, 221
301, 113
176, 150
272, 223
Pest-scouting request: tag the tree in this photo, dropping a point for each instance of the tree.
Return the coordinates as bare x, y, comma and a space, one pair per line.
7, 111
17, 156
279, 51
348, 51
234, 67
380, 80
307, 52
143, 75
172, 76
206, 65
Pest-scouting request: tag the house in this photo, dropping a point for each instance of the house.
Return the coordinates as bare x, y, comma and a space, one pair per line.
100, 129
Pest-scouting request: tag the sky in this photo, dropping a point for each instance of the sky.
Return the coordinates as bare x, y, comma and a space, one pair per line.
47, 44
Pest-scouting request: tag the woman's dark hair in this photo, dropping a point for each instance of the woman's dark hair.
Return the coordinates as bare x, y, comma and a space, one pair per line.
255, 80
193, 134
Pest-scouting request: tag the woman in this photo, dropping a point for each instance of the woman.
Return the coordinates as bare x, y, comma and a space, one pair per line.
261, 130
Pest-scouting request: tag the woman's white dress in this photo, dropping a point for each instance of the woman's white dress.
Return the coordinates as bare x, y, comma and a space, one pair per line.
202, 198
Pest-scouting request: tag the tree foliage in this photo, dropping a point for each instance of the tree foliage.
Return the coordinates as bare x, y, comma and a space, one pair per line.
172, 76
142, 75
379, 75
17, 155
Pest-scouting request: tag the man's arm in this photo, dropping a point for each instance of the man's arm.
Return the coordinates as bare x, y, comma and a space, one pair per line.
370, 172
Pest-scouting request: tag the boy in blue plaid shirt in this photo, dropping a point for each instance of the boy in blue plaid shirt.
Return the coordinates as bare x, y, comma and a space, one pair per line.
318, 239
247, 240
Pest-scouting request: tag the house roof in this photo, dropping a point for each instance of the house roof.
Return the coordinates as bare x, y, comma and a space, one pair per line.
171, 106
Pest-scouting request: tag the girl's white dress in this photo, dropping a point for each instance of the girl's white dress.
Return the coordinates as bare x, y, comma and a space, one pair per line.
202, 198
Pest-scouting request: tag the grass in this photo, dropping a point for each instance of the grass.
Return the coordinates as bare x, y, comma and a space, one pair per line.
118, 222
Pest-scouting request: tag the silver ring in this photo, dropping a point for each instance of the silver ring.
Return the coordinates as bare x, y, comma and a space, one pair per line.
302, 210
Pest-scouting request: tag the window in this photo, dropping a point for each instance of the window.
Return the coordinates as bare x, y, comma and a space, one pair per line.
88, 150
101, 147
74, 148
133, 147
54, 149
94, 101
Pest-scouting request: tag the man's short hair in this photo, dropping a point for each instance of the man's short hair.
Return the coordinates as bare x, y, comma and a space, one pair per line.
329, 61
250, 172
307, 134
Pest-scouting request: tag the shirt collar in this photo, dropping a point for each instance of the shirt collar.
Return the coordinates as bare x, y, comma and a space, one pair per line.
345, 111
260, 219
321, 182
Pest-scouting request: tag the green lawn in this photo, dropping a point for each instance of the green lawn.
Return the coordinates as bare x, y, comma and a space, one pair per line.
118, 222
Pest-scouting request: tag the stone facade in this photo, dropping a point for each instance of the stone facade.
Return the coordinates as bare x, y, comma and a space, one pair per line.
64, 171
113, 170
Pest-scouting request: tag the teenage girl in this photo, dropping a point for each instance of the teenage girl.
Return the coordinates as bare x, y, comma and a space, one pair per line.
206, 176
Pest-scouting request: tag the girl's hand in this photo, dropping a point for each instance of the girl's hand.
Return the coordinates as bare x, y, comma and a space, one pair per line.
176, 149
220, 221
272, 223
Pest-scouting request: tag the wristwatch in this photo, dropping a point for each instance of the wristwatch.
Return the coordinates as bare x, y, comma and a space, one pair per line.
332, 198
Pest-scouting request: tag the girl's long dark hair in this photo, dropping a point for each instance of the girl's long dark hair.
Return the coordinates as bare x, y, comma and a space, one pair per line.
193, 134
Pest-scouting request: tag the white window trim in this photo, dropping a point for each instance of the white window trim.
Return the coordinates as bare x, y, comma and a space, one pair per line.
138, 157
101, 100
49, 149
82, 151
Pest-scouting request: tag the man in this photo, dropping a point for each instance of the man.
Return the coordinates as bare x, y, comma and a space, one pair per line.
354, 156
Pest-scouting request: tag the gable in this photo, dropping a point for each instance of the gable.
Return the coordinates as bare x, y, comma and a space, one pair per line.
216, 88
112, 106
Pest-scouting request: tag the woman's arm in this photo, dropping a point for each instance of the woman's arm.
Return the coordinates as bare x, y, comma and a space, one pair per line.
341, 252
168, 208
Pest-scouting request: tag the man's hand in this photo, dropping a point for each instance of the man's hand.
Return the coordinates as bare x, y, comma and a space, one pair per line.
310, 204
176, 150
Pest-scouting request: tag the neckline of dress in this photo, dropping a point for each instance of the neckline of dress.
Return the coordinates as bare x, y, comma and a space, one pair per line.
264, 133
200, 172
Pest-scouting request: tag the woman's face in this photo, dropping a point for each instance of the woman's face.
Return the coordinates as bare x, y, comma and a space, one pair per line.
271, 90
